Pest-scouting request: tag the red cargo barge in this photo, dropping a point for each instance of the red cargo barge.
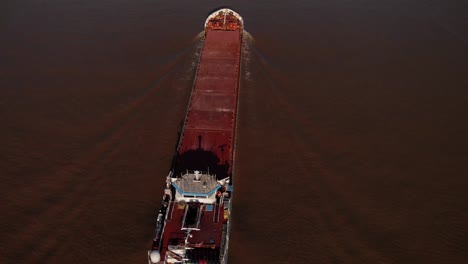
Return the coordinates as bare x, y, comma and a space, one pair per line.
193, 223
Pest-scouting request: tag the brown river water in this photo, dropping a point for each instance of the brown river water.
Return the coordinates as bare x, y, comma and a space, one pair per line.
352, 137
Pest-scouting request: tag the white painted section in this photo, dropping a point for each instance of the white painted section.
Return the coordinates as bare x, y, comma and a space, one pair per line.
155, 256
212, 15
206, 200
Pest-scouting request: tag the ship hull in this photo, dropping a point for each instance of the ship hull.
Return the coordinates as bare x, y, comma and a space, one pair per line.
193, 223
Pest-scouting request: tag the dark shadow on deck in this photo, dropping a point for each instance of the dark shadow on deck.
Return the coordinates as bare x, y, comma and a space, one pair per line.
201, 160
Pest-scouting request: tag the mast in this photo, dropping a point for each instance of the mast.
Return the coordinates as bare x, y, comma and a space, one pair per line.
224, 22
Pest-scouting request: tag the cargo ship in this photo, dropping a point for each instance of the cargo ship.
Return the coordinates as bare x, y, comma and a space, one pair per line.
193, 222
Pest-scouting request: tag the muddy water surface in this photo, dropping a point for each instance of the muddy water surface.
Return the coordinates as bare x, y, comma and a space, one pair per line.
352, 142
